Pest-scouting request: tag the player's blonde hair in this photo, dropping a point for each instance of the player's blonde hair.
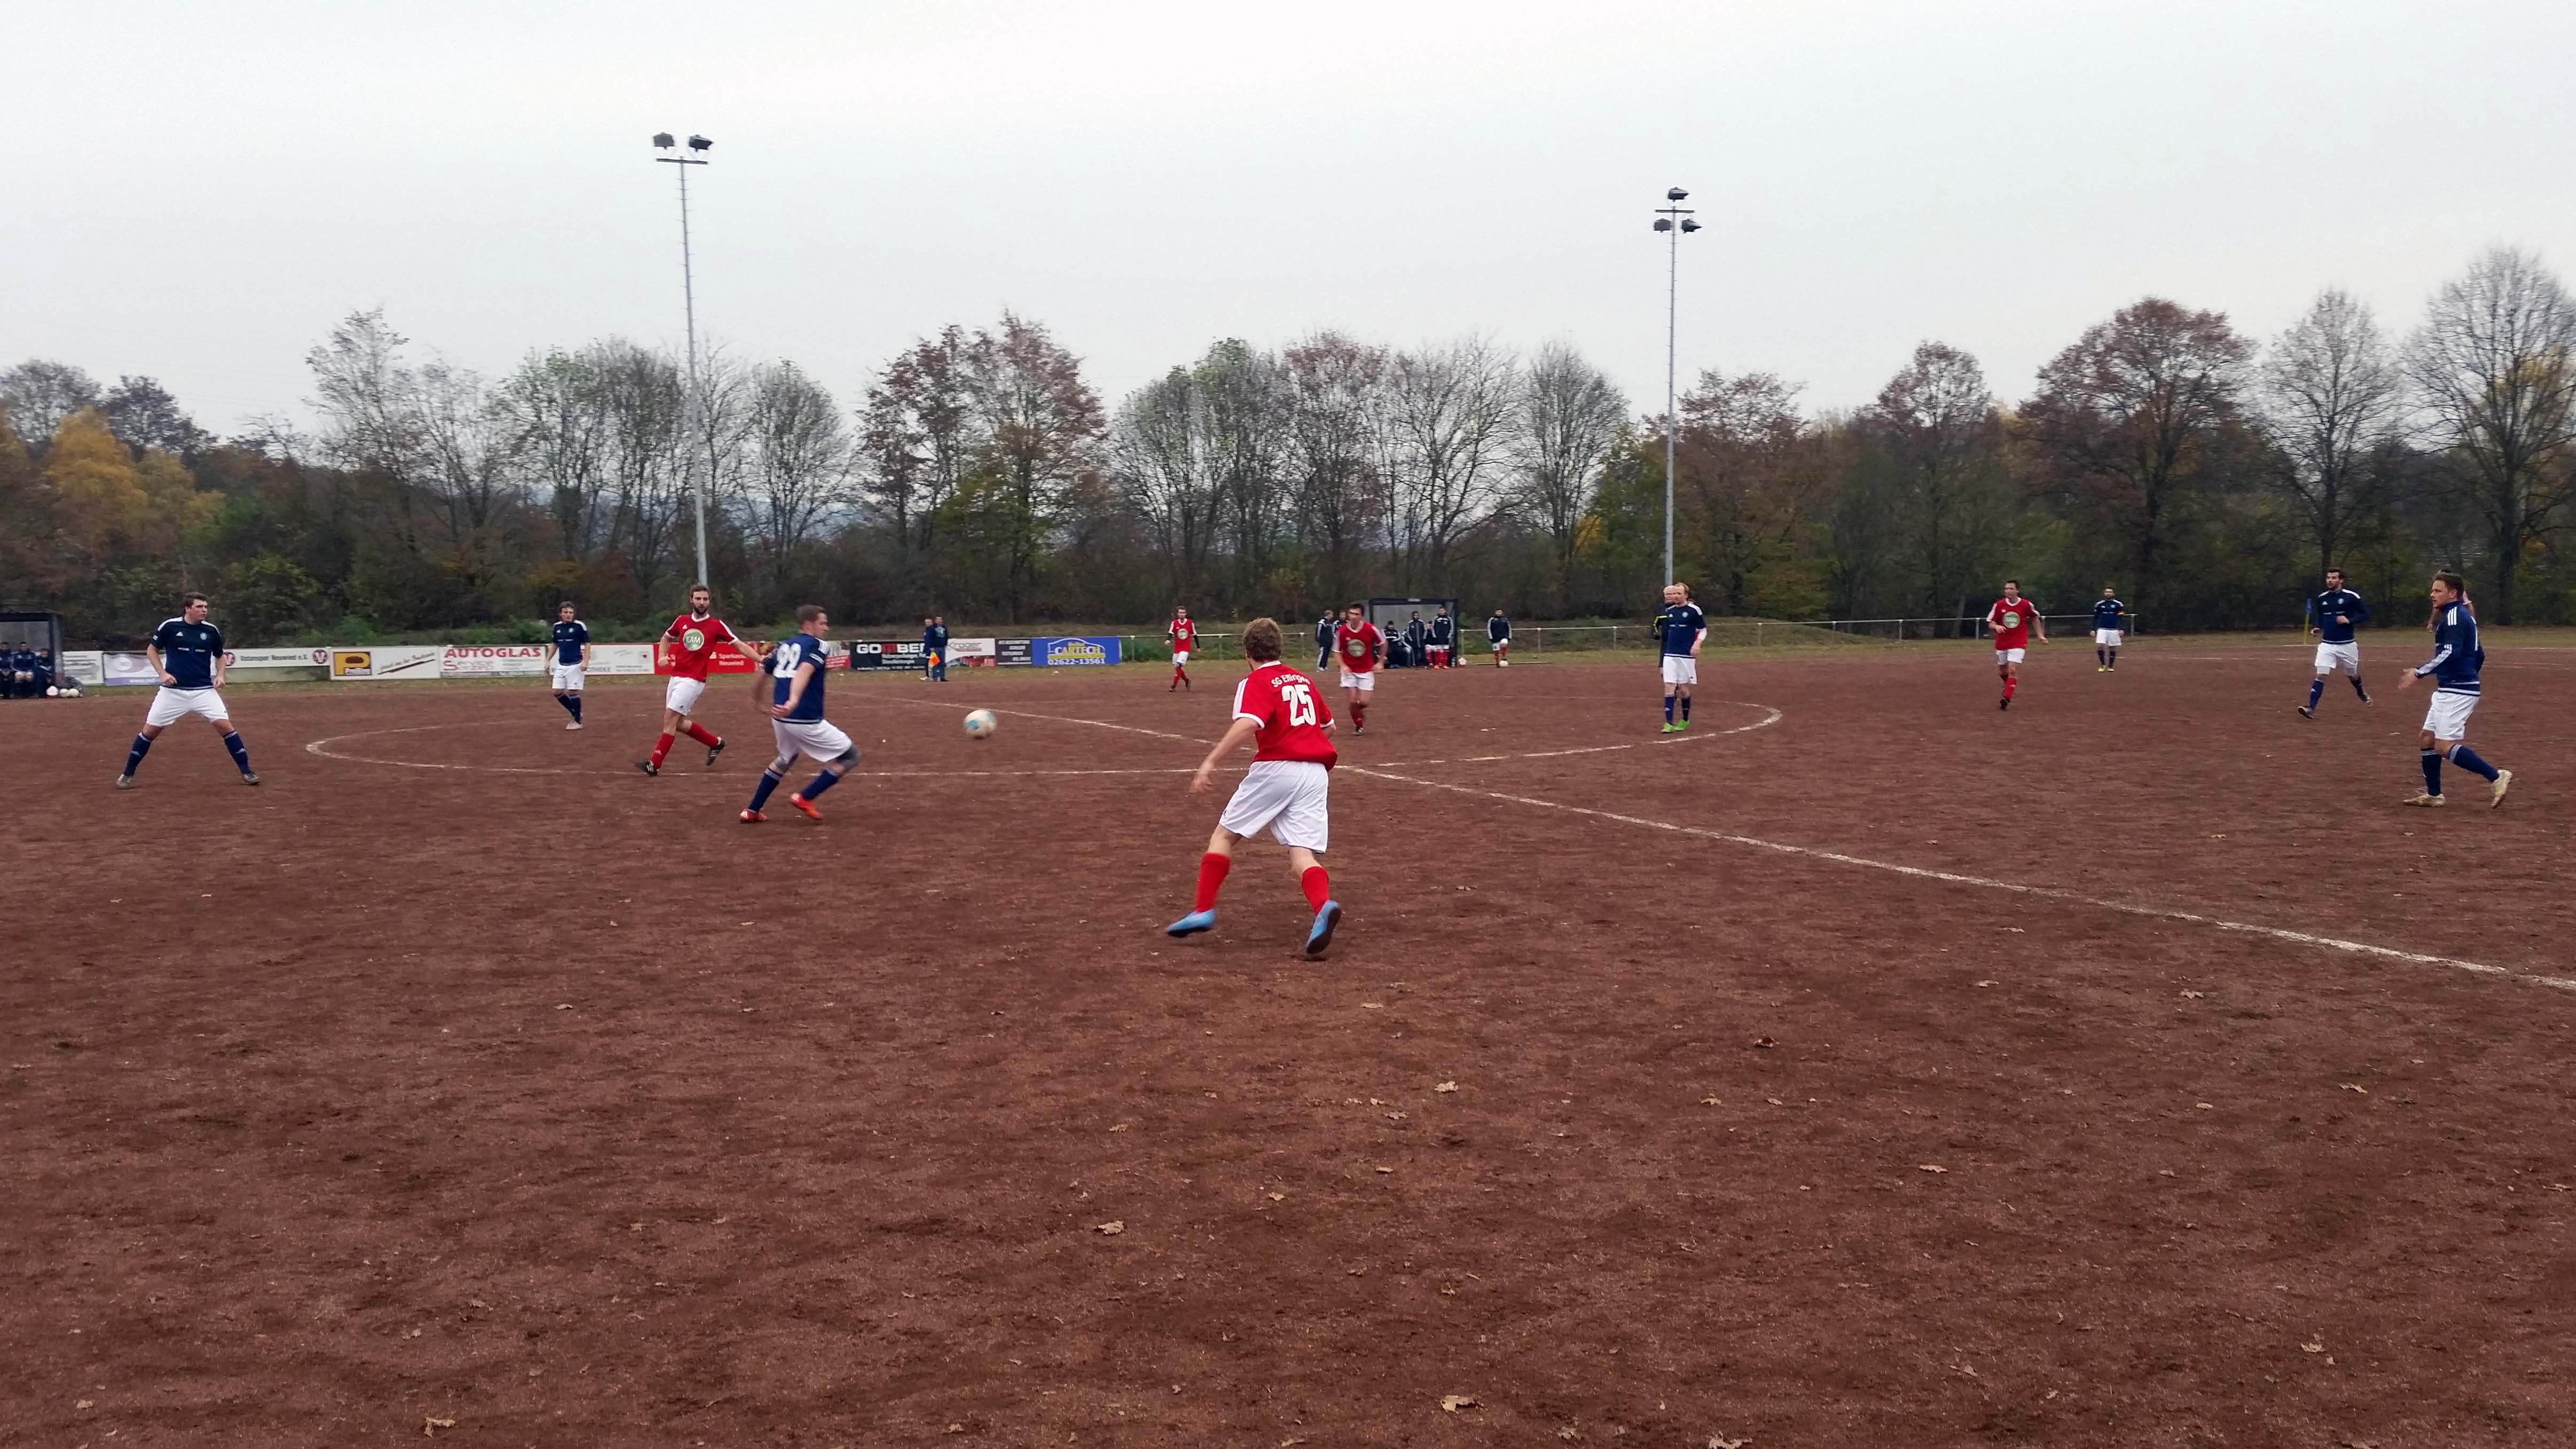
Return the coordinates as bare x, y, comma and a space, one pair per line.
1261, 640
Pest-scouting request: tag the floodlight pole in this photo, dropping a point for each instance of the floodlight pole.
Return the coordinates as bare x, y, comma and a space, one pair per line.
1674, 220
689, 303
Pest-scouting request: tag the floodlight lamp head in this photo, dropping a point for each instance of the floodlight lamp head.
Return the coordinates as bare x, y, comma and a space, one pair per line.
1676, 194
1690, 226
699, 143
1663, 223
662, 140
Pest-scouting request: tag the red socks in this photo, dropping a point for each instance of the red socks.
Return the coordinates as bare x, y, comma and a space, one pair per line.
1359, 716
2009, 684
661, 748
700, 733
1180, 675
1319, 886
1212, 869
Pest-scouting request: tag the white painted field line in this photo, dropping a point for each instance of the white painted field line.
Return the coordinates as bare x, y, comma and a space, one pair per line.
2160, 913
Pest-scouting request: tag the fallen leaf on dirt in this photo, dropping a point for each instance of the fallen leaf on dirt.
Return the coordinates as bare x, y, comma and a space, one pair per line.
1373, 1006
83, 1404
1278, 1197
563, 1006
1446, 1087
1386, 1169
1929, 1167
2164, 1172
956, 1428
1395, 1116
2205, 1106
1569, 1433
1764, 1042
2561, 1187
1118, 1127
432, 1426
2312, 1348
1111, 1228
1989, 983
634, 1227
2192, 995
476, 1303
2356, 1087
1720, 1441
2016, 930
1710, 1102
1452, 1403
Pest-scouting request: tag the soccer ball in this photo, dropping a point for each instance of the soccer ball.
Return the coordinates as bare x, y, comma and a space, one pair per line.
982, 723
51, 692
74, 691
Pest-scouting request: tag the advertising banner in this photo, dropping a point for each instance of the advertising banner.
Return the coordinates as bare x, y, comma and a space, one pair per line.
281, 658
387, 661
970, 651
85, 667
117, 668
1061, 653
725, 658
1013, 651
620, 658
885, 654
487, 661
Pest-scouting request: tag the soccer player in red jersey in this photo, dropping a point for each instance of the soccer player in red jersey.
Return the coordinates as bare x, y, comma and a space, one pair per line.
1185, 638
1282, 714
1359, 647
2012, 619
693, 638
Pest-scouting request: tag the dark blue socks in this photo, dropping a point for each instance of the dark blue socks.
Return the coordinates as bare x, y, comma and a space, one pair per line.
571, 704
2467, 759
2357, 690
2316, 690
1668, 709
2432, 773
2114, 661
821, 783
1685, 709
134, 756
770, 777
241, 752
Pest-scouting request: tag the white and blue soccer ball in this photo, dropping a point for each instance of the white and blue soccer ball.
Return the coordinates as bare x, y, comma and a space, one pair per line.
982, 723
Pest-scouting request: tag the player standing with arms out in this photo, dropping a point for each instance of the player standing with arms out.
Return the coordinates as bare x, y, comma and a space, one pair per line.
2332, 616
1359, 647
1288, 790
571, 662
2106, 631
2457, 658
2012, 619
1680, 629
1498, 632
792, 692
188, 654
693, 637
1185, 638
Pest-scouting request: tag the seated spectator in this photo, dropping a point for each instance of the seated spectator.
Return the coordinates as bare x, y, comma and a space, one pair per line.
21, 673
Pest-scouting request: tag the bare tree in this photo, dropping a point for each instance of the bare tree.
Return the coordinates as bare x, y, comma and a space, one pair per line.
363, 391
799, 468
644, 401
1243, 419
554, 409
1939, 425
143, 415
1446, 436
39, 394
2136, 417
2493, 373
1333, 385
2329, 396
1040, 427
916, 436
1569, 416
1160, 473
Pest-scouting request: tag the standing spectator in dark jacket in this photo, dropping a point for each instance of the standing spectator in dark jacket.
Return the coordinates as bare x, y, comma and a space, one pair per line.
1324, 638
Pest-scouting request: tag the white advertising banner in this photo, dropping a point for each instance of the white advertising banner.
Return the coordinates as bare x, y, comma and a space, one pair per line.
619, 658
281, 658
485, 661
970, 649
387, 661
85, 666
118, 668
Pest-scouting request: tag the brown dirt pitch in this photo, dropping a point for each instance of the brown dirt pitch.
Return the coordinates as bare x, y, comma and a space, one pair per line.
2124, 1069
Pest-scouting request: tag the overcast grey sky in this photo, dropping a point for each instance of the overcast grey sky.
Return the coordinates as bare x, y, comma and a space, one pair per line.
197, 191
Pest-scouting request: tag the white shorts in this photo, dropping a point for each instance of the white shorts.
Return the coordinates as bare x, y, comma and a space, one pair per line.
2107, 638
681, 695
1180, 656
1286, 797
2009, 656
2448, 718
2346, 656
816, 739
1680, 669
567, 677
1364, 681
1501, 644
170, 706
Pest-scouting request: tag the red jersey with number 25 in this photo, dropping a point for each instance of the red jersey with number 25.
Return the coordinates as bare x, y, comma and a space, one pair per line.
1292, 715
696, 640
1357, 648
2010, 619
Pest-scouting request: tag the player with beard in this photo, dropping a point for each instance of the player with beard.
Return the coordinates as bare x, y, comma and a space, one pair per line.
693, 638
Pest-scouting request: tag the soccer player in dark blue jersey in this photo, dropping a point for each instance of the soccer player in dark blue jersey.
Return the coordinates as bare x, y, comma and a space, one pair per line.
571, 661
2332, 616
188, 654
1679, 631
2457, 659
790, 687
2107, 618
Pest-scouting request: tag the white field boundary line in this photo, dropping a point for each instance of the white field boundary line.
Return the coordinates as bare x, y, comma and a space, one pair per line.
1946, 877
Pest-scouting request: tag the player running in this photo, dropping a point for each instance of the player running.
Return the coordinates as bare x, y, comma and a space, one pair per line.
188, 654
2457, 658
2012, 619
571, 662
1287, 791
1681, 628
1185, 638
693, 637
2332, 616
1360, 648
2106, 631
1498, 633
792, 692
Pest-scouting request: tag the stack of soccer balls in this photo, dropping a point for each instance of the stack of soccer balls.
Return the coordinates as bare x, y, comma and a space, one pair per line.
981, 724
62, 691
